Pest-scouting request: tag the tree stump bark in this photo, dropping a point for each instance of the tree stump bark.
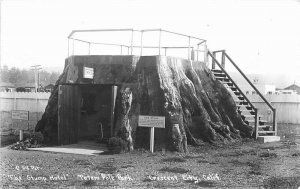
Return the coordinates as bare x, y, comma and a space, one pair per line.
197, 107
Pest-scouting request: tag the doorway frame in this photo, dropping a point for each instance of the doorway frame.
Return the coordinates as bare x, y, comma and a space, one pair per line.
64, 126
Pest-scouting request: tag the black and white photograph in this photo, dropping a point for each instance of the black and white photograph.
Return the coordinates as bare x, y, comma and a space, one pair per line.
150, 94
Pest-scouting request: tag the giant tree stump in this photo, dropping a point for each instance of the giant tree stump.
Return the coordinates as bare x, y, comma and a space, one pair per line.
197, 107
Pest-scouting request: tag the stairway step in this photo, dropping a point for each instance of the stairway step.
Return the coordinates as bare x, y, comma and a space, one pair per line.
251, 115
266, 132
262, 122
220, 74
246, 111
246, 106
247, 115
265, 126
241, 102
217, 71
241, 97
222, 79
229, 83
233, 88
265, 139
248, 121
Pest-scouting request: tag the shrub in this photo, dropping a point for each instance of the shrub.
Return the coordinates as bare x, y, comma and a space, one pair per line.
116, 144
36, 138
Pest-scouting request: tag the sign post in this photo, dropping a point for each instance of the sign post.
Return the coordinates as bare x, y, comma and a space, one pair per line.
152, 122
20, 115
152, 139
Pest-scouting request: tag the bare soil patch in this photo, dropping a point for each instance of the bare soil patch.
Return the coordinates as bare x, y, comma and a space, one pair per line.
245, 164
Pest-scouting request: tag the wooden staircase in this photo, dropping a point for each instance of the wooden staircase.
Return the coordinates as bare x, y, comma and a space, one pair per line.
248, 111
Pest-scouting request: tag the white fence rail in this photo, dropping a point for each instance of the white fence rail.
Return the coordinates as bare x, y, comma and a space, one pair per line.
35, 103
287, 107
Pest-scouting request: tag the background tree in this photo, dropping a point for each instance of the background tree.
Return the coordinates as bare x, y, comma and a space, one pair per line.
22, 77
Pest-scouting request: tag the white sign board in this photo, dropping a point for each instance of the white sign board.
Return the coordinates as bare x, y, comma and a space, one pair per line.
152, 121
20, 114
88, 73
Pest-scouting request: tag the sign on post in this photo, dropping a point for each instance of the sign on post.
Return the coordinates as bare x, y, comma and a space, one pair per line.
152, 122
88, 73
20, 114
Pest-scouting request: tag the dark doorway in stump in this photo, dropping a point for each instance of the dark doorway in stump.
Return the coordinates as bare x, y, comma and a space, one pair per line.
86, 112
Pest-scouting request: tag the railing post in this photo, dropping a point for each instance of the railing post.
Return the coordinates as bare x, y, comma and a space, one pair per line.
274, 122
189, 50
68, 47
197, 51
256, 124
89, 48
223, 59
205, 54
131, 42
121, 49
192, 54
141, 43
159, 42
213, 65
73, 47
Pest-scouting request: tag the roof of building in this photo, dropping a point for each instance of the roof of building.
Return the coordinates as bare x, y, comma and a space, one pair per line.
26, 85
6, 84
49, 86
293, 87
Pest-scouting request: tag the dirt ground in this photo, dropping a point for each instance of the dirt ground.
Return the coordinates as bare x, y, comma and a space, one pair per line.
245, 164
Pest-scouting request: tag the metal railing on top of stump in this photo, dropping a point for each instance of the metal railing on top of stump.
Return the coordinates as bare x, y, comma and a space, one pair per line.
191, 49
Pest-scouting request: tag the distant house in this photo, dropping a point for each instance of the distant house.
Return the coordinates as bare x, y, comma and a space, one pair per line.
49, 88
7, 87
27, 87
263, 89
293, 87
289, 92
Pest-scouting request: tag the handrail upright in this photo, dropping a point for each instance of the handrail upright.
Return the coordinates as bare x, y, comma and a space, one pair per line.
216, 62
256, 90
225, 55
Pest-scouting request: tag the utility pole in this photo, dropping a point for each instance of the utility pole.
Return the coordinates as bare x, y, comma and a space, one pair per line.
0, 35
36, 69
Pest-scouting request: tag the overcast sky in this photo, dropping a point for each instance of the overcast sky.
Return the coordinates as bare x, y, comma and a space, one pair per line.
262, 36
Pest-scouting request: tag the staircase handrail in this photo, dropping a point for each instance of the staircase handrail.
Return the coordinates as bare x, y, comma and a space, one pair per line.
256, 90
249, 82
216, 61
